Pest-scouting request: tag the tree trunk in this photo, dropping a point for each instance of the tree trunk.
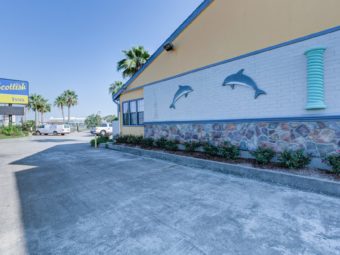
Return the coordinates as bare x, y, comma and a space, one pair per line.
62, 113
25, 114
36, 118
69, 113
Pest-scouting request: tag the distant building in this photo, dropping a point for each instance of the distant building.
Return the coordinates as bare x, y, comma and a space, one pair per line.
5, 120
76, 123
73, 120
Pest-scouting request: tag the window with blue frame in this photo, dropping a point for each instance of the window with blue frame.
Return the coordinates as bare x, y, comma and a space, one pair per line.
140, 108
126, 115
133, 112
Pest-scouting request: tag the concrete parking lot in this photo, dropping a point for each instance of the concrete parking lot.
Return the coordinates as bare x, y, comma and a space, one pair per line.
59, 196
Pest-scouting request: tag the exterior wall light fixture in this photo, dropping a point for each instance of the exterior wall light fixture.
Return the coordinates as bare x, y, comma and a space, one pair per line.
168, 46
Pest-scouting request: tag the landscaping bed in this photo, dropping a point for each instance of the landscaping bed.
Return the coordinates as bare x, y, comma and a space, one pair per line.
248, 162
295, 162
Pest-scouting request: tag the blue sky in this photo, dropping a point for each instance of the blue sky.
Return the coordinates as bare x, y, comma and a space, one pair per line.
75, 44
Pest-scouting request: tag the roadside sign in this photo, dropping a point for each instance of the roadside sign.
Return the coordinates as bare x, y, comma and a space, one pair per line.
13, 91
11, 110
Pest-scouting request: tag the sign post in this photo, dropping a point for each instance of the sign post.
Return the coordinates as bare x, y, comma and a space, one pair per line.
10, 117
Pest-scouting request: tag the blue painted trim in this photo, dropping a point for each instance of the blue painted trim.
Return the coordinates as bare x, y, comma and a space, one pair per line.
171, 38
139, 125
274, 119
301, 39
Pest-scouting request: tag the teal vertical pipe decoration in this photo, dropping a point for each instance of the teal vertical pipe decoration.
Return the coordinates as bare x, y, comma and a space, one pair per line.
315, 79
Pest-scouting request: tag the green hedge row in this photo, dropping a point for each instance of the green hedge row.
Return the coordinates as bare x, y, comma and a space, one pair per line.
263, 156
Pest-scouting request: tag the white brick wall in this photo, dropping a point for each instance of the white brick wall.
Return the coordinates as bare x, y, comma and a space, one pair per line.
280, 72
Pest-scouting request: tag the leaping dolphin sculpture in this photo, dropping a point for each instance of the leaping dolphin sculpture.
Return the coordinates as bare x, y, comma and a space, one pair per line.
183, 90
241, 79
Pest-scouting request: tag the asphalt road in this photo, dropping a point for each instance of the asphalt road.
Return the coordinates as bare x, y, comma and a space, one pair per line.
59, 196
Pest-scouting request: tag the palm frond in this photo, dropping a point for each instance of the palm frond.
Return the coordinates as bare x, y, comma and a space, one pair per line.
133, 61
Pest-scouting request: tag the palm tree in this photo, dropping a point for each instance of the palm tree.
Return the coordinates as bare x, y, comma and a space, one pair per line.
24, 118
114, 87
44, 107
71, 99
34, 102
134, 59
60, 102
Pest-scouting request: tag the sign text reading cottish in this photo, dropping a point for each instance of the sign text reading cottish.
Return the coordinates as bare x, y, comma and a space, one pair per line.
13, 86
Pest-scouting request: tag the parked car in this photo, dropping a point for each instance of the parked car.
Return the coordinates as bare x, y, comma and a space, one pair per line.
47, 129
104, 129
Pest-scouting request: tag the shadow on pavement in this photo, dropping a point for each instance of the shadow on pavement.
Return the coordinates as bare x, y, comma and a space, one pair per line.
89, 135
50, 140
78, 200
53, 198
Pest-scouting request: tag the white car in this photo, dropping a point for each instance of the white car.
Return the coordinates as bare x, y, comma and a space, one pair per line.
104, 129
47, 129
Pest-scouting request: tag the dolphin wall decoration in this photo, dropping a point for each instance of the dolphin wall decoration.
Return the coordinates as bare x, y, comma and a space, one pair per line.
183, 90
240, 78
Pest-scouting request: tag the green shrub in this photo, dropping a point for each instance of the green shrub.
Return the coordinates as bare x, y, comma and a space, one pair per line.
210, 149
294, 159
229, 151
12, 131
28, 126
171, 145
334, 161
147, 142
137, 140
131, 139
128, 139
160, 143
121, 139
263, 155
100, 139
191, 146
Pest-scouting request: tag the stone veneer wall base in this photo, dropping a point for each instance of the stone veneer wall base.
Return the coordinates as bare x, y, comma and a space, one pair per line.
318, 138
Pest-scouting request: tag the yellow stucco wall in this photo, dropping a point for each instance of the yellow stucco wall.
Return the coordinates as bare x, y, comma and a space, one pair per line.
229, 28
130, 130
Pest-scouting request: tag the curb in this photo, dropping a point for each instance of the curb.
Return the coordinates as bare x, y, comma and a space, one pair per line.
300, 182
